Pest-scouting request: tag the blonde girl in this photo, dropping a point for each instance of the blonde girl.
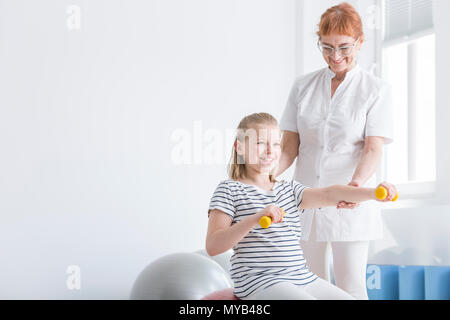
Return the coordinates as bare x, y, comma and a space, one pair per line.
268, 263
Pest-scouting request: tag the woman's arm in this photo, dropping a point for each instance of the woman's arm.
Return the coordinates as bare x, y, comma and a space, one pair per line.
222, 236
330, 196
370, 158
289, 151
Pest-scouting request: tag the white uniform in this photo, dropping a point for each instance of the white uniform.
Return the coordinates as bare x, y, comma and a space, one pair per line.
332, 133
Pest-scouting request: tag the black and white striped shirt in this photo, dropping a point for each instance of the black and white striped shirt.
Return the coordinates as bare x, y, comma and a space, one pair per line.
264, 257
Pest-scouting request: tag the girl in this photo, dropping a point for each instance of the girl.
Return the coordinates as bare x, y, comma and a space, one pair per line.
268, 264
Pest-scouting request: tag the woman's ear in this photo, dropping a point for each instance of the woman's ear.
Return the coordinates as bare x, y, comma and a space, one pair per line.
360, 42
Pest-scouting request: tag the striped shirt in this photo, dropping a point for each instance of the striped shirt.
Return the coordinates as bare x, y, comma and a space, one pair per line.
264, 257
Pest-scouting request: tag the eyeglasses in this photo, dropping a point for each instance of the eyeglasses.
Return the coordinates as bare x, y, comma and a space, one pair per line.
343, 51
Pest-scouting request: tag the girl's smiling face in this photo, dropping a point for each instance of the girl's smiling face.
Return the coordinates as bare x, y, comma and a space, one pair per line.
262, 148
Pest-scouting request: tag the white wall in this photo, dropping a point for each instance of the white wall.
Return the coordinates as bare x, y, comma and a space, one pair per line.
86, 118
442, 22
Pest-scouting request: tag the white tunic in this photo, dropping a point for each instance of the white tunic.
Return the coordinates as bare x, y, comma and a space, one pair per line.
332, 134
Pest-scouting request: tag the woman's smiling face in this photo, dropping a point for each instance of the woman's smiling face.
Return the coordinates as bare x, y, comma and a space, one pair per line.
338, 62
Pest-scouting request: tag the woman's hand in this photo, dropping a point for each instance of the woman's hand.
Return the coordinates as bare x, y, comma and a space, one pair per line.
272, 211
391, 191
348, 205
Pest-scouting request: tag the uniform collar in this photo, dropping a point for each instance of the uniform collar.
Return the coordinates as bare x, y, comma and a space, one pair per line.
349, 74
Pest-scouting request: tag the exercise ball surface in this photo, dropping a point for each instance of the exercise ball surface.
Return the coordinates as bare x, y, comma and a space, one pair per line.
222, 259
179, 276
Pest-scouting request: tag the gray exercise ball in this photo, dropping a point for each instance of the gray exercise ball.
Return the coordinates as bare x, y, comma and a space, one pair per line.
179, 276
222, 259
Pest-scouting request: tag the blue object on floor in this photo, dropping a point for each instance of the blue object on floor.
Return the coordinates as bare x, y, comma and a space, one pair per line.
437, 283
382, 282
411, 283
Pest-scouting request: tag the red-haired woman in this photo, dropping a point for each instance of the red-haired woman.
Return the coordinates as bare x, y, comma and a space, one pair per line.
336, 122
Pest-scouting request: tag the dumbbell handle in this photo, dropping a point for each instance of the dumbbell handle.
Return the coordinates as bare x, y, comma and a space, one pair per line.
381, 194
266, 221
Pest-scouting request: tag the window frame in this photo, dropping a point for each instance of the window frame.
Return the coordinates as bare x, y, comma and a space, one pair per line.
413, 191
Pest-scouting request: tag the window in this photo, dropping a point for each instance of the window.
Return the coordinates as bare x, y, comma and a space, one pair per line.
408, 64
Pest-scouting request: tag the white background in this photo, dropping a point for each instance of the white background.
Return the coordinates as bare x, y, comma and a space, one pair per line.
86, 122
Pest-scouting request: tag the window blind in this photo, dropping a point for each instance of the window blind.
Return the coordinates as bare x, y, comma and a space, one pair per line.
405, 19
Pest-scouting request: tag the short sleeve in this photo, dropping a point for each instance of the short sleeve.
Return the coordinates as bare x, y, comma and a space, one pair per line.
222, 200
380, 121
288, 120
298, 192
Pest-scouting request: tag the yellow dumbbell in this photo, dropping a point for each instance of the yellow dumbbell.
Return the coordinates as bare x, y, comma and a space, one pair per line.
266, 221
381, 194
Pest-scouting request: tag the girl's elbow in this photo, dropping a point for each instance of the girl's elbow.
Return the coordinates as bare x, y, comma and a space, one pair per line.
210, 249
210, 252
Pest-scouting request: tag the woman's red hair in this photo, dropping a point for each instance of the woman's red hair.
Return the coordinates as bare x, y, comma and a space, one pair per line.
342, 19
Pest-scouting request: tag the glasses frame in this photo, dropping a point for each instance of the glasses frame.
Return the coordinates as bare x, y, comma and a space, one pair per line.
320, 45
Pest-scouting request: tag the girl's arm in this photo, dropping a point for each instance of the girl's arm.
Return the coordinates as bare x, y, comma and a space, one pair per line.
330, 196
222, 236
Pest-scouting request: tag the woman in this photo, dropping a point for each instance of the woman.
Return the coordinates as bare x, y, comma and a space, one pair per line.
335, 123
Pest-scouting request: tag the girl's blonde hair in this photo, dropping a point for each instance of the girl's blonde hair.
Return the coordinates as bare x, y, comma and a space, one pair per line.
236, 166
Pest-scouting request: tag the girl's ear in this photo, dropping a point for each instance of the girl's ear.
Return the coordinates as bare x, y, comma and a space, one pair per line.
239, 147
